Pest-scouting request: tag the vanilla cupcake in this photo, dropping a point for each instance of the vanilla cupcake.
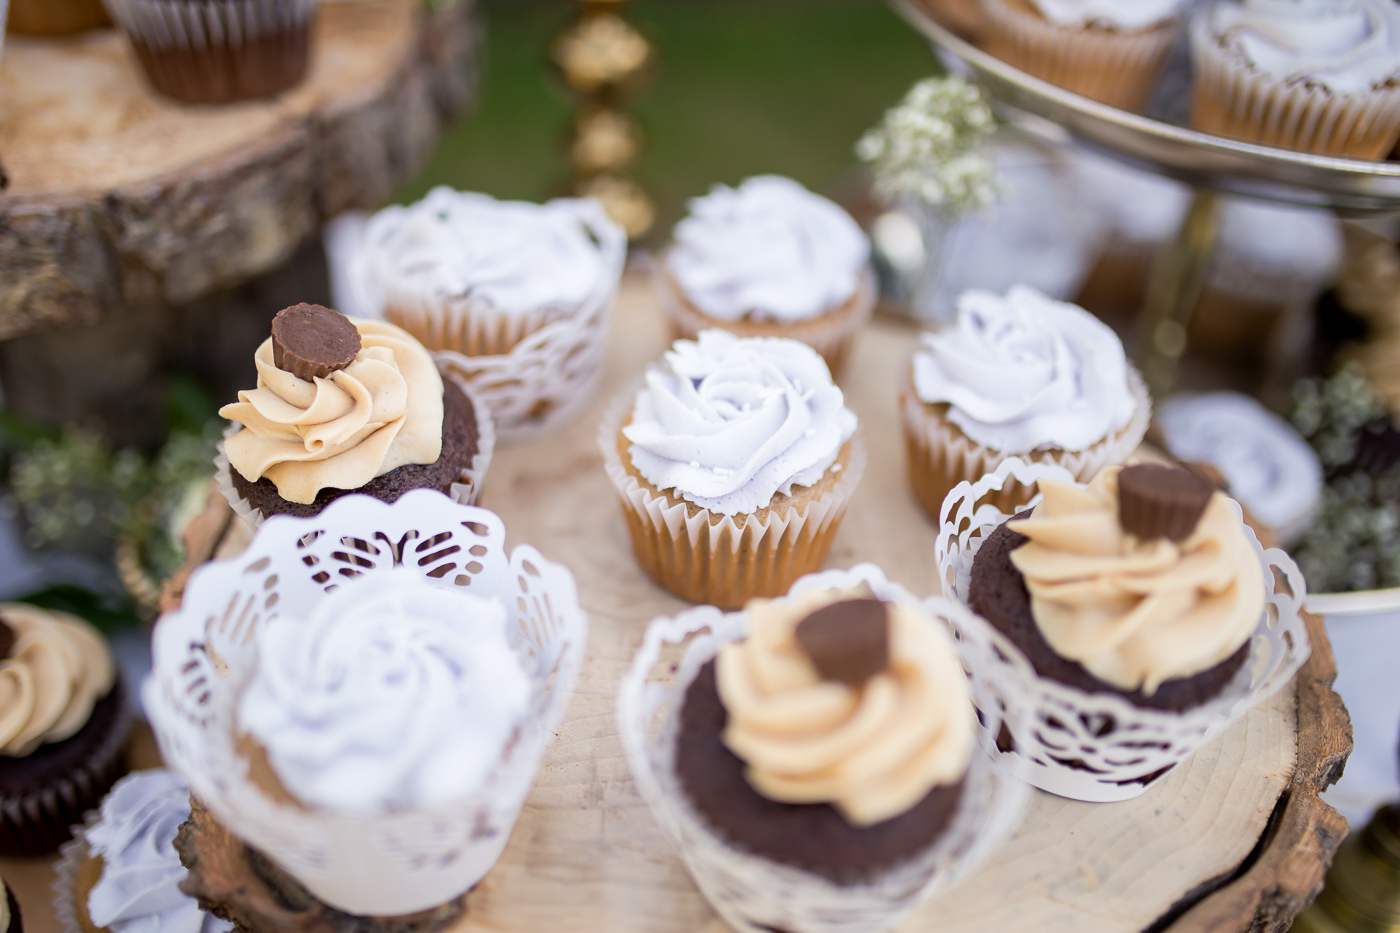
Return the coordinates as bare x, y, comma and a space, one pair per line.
1111, 51
770, 259
122, 873
1019, 375
733, 464
1317, 75
512, 296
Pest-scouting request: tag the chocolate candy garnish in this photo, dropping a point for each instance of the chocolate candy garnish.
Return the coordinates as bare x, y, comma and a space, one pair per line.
311, 341
1160, 501
847, 641
7, 639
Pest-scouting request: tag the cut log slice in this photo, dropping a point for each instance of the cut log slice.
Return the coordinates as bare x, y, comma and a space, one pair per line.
118, 197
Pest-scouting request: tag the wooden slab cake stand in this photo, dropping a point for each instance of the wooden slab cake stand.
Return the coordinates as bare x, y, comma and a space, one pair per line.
1235, 839
118, 198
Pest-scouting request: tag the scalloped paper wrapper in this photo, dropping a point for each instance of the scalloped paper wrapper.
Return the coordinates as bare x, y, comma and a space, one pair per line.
941, 456
390, 864
1231, 98
1118, 68
219, 51
757, 895
724, 560
1119, 750
39, 822
466, 492
830, 333
534, 371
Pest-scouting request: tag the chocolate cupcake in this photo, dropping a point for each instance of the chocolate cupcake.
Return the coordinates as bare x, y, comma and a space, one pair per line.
345, 406
63, 726
1141, 584
218, 51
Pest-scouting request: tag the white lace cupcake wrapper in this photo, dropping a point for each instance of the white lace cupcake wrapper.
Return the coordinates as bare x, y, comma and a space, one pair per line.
754, 894
207, 24
1234, 98
465, 492
388, 864
1100, 747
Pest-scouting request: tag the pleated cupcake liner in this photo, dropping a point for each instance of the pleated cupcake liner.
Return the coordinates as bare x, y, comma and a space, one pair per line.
1232, 98
39, 821
466, 492
725, 560
830, 333
940, 455
1118, 68
208, 24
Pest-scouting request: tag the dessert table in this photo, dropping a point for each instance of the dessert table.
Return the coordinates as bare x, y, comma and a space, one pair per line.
1235, 839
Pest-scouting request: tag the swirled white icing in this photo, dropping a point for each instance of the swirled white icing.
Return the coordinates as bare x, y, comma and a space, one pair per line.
394, 694
1024, 371
729, 422
1269, 467
1119, 14
767, 250
139, 891
513, 256
1347, 46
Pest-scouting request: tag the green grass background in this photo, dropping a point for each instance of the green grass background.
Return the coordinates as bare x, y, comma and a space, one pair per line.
742, 87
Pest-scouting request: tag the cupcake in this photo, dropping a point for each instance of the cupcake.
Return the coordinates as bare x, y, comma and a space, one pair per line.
1316, 75
514, 297
218, 51
64, 727
121, 874
1120, 625
770, 259
343, 406
361, 734
817, 756
1111, 51
55, 17
733, 465
1265, 463
1018, 375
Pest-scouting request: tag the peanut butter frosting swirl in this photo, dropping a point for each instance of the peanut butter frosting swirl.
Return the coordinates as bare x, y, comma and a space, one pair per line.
1136, 613
873, 751
379, 413
56, 669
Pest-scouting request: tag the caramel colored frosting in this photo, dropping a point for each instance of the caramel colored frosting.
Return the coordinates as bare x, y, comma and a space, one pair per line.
1137, 613
57, 667
872, 751
379, 413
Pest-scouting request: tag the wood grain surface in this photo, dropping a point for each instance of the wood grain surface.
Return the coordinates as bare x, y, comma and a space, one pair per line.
119, 197
1235, 839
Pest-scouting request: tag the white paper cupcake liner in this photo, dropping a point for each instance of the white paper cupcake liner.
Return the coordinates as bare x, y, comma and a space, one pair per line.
180, 24
390, 864
1232, 98
466, 492
687, 552
65, 883
754, 894
941, 455
830, 333
1122, 749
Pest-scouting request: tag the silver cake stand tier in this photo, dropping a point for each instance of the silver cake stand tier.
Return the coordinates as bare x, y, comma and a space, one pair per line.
1212, 165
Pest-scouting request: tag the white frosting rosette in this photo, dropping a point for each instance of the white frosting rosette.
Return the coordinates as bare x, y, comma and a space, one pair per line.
755, 894
514, 297
769, 258
733, 443
139, 889
1319, 75
1024, 375
1111, 51
1268, 465
366, 695
1119, 749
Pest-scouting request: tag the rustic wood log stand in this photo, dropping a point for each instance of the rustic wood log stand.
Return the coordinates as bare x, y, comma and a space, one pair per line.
1236, 839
